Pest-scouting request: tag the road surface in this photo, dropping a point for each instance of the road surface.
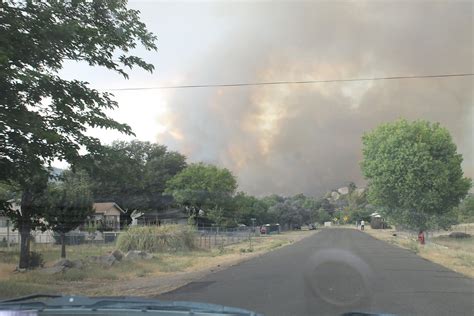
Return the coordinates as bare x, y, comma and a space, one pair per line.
332, 272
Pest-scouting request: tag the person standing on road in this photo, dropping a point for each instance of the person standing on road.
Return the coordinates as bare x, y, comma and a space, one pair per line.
362, 223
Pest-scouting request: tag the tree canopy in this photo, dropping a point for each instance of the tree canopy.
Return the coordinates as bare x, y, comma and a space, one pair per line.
44, 117
203, 186
69, 204
414, 172
133, 174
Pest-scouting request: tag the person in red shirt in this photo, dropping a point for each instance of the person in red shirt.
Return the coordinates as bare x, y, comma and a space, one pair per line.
421, 237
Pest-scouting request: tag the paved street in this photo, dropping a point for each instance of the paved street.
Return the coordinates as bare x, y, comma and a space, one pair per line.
332, 272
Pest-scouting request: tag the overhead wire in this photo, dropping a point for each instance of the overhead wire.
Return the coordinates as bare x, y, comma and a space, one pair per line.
268, 83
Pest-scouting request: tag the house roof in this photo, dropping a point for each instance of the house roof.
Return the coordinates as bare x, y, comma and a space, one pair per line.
106, 206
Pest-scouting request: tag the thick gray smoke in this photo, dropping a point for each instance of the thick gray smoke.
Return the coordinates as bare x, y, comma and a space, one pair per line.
306, 138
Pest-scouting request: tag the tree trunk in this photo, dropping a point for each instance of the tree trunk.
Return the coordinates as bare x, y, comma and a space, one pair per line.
25, 230
63, 245
24, 227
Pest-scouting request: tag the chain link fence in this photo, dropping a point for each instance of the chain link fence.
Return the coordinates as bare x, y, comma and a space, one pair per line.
211, 237
205, 237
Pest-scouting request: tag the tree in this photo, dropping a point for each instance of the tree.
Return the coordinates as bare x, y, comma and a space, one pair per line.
321, 216
290, 213
69, 204
133, 174
42, 116
465, 211
248, 207
414, 173
271, 200
202, 186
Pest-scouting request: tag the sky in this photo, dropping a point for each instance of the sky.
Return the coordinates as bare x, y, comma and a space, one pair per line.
289, 139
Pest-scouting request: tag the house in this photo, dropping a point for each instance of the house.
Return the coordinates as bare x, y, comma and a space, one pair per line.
9, 233
108, 213
170, 216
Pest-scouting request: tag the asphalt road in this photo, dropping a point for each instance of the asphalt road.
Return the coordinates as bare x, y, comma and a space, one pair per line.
332, 272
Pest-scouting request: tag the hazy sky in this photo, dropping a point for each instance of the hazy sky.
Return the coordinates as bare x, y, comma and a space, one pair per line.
294, 138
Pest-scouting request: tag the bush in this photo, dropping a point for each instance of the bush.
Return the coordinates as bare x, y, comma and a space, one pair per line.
35, 260
157, 238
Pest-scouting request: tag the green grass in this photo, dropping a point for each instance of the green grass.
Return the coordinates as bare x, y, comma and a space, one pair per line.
73, 275
174, 264
12, 288
165, 238
143, 271
466, 260
276, 244
412, 245
52, 253
466, 244
9, 256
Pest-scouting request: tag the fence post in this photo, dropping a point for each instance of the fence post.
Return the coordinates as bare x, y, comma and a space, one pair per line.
8, 234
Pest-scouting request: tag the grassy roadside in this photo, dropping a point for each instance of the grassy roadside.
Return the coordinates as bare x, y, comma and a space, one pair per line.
454, 254
127, 277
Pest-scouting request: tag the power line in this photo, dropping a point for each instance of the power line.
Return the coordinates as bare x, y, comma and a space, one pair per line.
246, 84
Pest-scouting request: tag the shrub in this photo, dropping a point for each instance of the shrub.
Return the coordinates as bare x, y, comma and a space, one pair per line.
157, 238
35, 260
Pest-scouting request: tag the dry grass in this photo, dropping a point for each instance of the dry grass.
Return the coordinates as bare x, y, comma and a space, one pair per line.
127, 277
455, 254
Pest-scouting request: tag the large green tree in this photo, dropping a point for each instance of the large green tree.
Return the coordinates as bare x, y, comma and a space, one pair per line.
203, 187
414, 173
290, 213
133, 174
42, 116
248, 207
465, 211
69, 203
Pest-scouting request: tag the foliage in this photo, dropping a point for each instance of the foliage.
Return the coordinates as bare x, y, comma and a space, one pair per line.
133, 174
414, 172
248, 207
201, 186
157, 238
465, 210
321, 216
271, 200
69, 202
290, 212
42, 116
35, 260
216, 214
360, 214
